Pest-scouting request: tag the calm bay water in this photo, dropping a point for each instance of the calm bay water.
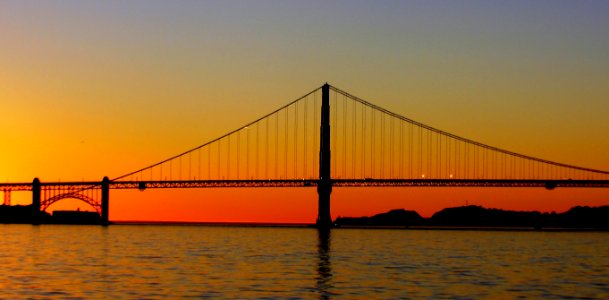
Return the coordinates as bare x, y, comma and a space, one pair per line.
160, 262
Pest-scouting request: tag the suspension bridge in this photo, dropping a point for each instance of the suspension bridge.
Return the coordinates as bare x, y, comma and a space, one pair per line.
324, 139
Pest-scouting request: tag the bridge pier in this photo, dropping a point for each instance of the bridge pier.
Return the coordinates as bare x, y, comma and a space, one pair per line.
105, 200
324, 186
324, 219
36, 188
7, 197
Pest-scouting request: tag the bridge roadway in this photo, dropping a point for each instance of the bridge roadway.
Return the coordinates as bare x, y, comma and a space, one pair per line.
368, 182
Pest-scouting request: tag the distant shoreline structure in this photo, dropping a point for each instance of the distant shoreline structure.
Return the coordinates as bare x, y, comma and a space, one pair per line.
478, 217
469, 217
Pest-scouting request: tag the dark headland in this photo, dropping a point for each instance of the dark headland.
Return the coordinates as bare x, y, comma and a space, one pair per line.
472, 216
24, 214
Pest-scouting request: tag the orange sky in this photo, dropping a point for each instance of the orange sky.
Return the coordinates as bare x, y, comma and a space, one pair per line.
299, 205
100, 89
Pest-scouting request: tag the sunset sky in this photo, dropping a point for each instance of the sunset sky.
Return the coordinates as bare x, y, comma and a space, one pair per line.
100, 88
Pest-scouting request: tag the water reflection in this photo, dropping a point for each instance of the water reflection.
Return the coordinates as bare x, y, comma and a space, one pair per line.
160, 262
324, 269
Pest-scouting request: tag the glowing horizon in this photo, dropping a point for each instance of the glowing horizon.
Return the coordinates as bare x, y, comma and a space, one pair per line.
224, 213
101, 89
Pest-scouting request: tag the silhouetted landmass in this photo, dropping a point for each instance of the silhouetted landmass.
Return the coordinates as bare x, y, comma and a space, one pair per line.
584, 216
477, 216
24, 214
396, 217
463, 216
20, 214
76, 217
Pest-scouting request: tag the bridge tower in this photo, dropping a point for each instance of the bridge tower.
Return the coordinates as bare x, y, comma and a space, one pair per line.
324, 185
36, 191
105, 200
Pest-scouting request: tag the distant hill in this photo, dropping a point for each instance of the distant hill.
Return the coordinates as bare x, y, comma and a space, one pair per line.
584, 216
473, 215
478, 216
396, 217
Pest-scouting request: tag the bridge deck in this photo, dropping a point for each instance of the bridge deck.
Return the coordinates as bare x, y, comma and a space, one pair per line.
550, 184
363, 183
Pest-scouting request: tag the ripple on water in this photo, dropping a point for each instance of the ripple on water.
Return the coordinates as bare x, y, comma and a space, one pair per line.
159, 262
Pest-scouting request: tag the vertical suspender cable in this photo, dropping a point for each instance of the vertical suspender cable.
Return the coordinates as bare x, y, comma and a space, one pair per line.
285, 142
354, 138
247, 154
344, 136
401, 151
277, 145
448, 160
429, 153
438, 156
372, 143
411, 150
219, 160
467, 161
382, 152
305, 153
197, 175
238, 154
295, 140
391, 133
474, 161
257, 168
266, 150
334, 131
363, 147
315, 137
420, 151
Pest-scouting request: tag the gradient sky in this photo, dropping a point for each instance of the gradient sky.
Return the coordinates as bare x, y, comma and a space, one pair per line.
96, 88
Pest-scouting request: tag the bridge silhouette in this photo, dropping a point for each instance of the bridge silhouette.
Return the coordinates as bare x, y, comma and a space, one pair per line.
324, 139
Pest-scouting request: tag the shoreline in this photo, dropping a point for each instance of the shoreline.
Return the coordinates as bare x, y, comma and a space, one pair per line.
347, 227
211, 224
310, 225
